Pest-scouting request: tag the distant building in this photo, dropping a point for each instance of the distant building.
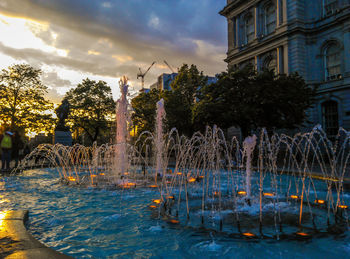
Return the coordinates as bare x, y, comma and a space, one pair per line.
145, 90
164, 81
311, 37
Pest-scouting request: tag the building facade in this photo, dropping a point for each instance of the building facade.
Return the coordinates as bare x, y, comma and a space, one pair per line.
311, 37
164, 81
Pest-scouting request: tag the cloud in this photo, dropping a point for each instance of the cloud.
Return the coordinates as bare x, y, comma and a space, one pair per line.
112, 38
154, 22
52, 79
53, 95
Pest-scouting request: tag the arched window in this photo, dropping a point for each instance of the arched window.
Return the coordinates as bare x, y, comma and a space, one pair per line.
270, 63
330, 7
330, 118
333, 62
248, 62
270, 18
249, 28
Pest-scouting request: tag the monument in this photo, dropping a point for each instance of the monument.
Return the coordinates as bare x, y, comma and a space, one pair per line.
62, 133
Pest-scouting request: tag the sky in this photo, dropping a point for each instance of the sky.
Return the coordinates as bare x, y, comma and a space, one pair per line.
71, 40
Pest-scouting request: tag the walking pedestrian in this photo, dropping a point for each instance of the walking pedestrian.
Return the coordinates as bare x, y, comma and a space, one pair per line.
17, 145
6, 148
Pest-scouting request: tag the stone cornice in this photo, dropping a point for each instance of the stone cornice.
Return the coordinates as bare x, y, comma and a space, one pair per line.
231, 6
272, 42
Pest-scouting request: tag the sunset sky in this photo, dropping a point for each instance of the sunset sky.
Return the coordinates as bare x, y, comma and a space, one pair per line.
104, 39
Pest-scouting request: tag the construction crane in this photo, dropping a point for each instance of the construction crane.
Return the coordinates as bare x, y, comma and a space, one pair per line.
166, 63
142, 75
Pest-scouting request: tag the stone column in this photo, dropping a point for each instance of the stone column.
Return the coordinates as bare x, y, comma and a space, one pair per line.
230, 36
284, 13
346, 53
285, 58
280, 60
238, 31
256, 21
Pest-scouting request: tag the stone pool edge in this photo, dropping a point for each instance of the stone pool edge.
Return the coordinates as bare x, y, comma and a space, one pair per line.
17, 242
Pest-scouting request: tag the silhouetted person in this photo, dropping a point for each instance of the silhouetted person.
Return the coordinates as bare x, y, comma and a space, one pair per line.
6, 148
17, 145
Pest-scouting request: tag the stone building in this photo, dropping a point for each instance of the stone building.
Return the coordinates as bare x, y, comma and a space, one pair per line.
311, 37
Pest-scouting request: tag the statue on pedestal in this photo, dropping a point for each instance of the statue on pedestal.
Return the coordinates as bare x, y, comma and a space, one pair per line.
62, 113
62, 132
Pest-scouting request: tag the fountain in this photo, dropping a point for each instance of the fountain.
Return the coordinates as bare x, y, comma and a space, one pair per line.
269, 187
122, 119
159, 142
248, 148
288, 183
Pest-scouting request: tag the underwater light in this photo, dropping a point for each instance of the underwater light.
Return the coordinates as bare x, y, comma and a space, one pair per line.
71, 178
247, 234
102, 173
302, 234
157, 201
320, 201
342, 206
267, 194
153, 206
191, 180
179, 173
242, 193
294, 196
93, 175
128, 185
174, 221
170, 197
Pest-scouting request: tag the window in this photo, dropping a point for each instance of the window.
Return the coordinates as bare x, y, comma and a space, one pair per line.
249, 28
330, 7
333, 62
270, 18
330, 118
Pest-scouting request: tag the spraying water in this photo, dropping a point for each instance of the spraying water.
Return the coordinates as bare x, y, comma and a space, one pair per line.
159, 142
248, 148
122, 119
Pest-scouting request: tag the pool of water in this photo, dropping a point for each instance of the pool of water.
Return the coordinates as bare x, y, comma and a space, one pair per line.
97, 223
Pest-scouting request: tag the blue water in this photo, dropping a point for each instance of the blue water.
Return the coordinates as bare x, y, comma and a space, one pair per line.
95, 223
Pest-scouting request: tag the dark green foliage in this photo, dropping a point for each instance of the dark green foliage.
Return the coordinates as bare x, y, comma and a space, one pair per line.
144, 106
92, 109
180, 101
250, 100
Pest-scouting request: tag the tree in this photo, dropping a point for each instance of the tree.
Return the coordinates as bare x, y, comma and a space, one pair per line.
22, 102
179, 102
249, 100
144, 110
92, 109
